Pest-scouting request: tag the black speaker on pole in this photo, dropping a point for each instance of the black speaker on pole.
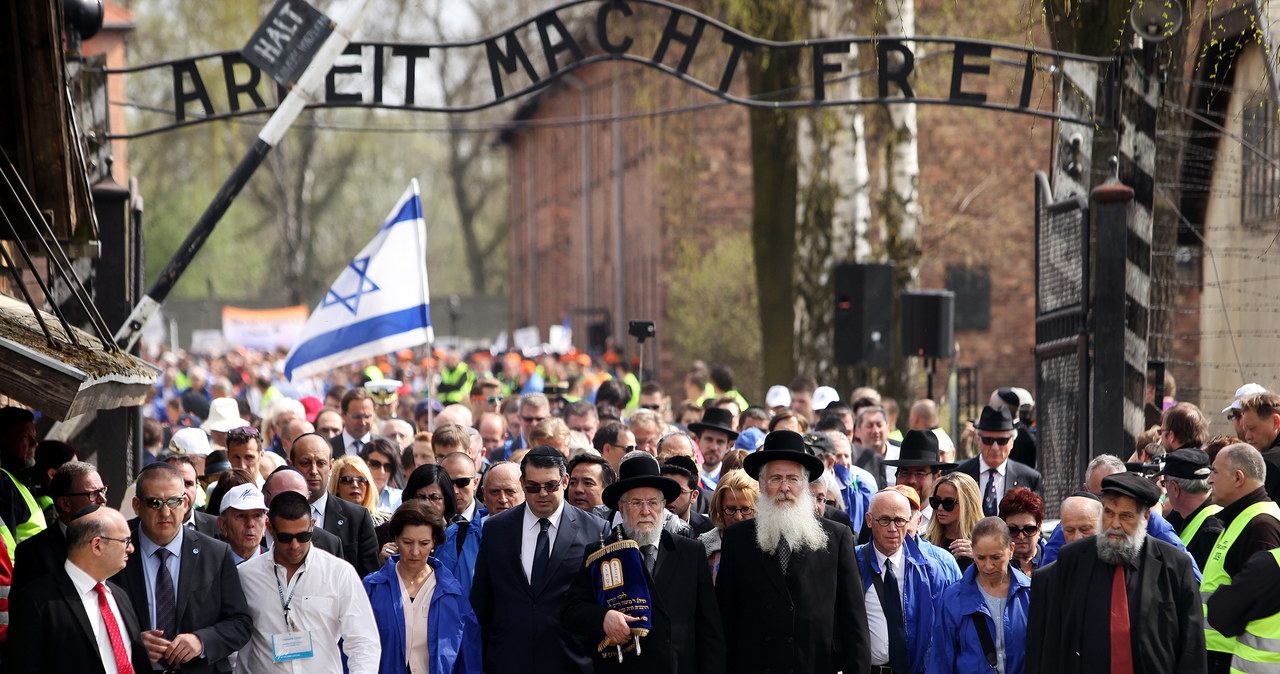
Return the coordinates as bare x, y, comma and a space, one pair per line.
863, 315
928, 323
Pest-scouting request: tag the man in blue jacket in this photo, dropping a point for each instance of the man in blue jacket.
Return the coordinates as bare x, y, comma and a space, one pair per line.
902, 586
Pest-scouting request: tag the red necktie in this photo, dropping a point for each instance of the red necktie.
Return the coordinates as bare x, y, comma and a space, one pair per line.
113, 631
1121, 646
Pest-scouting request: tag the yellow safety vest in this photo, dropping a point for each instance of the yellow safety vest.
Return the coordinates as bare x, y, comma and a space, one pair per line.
10, 545
35, 521
633, 388
1189, 532
1215, 574
1258, 649
455, 384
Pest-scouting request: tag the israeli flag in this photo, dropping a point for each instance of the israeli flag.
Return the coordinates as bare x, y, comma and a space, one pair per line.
378, 304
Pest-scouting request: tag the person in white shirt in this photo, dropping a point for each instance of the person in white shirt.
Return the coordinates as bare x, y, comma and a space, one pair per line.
303, 601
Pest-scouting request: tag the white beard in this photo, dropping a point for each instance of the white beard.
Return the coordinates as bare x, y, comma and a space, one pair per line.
1124, 550
796, 522
651, 536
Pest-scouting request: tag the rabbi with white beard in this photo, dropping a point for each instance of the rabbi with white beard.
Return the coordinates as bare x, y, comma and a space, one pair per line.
789, 588
1119, 601
685, 633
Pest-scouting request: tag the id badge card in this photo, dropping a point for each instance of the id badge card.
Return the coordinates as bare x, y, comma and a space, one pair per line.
288, 646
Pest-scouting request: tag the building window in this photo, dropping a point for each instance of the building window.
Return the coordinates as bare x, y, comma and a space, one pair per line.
1260, 178
972, 286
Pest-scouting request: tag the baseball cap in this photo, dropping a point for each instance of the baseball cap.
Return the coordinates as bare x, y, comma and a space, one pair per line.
242, 497
823, 396
190, 442
778, 396
1244, 392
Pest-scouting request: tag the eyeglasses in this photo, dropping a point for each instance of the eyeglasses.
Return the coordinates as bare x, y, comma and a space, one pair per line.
126, 542
493, 400
821, 499
532, 420
158, 503
301, 537
655, 408
739, 510
242, 434
375, 464
432, 497
947, 504
353, 479
650, 504
359, 417
550, 488
897, 522
96, 494
1233, 415
628, 448
462, 482
1027, 531
777, 480
994, 441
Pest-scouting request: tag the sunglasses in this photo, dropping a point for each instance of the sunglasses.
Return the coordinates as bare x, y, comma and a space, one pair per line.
1027, 531
375, 464
995, 441
301, 537
550, 488
947, 504
158, 503
532, 420
462, 482
353, 479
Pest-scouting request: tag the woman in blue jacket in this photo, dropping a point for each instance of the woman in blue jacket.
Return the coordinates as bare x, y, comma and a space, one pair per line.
993, 592
424, 621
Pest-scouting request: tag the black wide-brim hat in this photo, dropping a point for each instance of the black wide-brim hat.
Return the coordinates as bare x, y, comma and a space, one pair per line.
636, 472
920, 448
782, 446
715, 419
994, 420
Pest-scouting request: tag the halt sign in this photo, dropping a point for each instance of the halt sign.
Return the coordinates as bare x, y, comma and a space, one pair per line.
287, 39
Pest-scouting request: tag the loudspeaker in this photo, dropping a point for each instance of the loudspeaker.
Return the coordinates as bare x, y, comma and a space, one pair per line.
597, 337
863, 314
929, 323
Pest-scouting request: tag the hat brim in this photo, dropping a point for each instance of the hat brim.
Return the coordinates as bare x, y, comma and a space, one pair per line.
977, 426
753, 462
222, 425
913, 463
670, 488
698, 427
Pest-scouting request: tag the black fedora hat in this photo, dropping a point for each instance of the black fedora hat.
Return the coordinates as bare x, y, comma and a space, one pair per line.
920, 448
994, 419
782, 446
640, 471
715, 419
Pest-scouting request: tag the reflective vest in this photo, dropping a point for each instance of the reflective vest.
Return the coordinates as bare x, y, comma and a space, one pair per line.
455, 384
10, 545
1189, 532
35, 521
1215, 574
1258, 649
633, 387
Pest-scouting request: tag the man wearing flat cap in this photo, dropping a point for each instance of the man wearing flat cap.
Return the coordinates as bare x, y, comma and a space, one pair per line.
1119, 601
1194, 515
992, 469
789, 589
685, 633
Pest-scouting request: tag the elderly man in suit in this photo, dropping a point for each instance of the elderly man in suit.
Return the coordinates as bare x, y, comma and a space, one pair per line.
73, 619
528, 558
183, 584
686, 635
993, 470
789, 588
351, 523
75, 485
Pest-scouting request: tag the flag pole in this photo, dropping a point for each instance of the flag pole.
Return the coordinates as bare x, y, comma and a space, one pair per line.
300, 94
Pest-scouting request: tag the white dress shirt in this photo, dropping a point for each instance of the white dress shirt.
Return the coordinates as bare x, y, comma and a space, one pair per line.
529, 537
877, 626
85, 584
349, 440
328, 600
986, 475
318, 509
416, 612
470, 513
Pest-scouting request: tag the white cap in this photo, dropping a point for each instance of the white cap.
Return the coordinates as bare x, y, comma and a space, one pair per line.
224, 415
1243, 392
823, 396
778, 396
242, 497
190, 442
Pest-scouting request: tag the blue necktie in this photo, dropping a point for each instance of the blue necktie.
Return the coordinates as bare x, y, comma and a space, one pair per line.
990, 504
891, 602
541, 554
166, 599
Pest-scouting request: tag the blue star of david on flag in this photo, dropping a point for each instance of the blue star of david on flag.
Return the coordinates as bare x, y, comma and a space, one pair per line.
363, 284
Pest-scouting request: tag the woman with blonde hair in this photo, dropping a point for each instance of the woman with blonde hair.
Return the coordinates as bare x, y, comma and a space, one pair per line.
351, 481
957, 507
733, 501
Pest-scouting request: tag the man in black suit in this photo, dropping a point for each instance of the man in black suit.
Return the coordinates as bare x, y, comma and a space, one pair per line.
528, 558
351, 523
993, 470
789, 588
288, 478
183, 584
685, 633
358, 418
684, 471
66, 620
75, 485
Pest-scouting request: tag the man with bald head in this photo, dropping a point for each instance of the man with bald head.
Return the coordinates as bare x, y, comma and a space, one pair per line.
456, 413
500, 487
1079, 516
292, 431
48, 618
352, 524
287, 478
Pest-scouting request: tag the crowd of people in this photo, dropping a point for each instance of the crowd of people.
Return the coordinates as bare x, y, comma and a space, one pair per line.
559, 516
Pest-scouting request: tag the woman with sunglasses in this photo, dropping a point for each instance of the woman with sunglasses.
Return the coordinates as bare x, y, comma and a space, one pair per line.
383, 458
352, 482
432, 485
1023, 510
733, 501
424, 620
956, 509
985, 612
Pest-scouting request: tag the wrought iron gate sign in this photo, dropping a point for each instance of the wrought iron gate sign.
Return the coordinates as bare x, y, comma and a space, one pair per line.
693, 47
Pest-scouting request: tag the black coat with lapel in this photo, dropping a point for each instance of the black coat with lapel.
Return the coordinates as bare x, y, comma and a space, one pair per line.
521, 624
340, 450
354, 527
1015, 474
49, 630
38, 556
686, 636
206, 524
838, 516
211, 603
813, 620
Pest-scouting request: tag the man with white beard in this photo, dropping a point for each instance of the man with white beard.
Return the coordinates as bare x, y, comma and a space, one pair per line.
685, 633
789, 588
1118, 601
